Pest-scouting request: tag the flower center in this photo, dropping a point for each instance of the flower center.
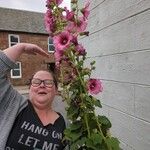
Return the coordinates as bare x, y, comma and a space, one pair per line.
92, 86
64, 40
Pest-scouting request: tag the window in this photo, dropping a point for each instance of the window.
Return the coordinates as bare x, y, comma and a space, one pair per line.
51, 47
13, 39
16, 72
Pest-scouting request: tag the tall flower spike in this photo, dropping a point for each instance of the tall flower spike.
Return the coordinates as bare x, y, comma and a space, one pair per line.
86, 130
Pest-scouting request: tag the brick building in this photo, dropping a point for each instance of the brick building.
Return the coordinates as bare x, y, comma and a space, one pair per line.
28, 27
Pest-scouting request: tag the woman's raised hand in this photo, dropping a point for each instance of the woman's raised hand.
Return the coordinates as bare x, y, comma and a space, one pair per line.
15, 51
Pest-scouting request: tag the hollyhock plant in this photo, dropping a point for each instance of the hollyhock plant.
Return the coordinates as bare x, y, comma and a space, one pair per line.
87, 130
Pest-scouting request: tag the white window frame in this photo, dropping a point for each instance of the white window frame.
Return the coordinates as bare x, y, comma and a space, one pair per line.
49, 44
20, 70
10, 42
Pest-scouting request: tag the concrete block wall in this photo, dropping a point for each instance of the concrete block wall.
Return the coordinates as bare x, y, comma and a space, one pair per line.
119, 41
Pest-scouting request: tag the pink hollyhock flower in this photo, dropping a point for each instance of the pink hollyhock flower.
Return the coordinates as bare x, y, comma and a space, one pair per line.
69, 14
49, 2
58, 55
70, 27
74, 40
57, 64
85, 11
62, 40
80, 50
94, 86
77, 26
49, 21
81, 24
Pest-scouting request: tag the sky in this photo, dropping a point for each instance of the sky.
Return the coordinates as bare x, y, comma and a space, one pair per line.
31, 5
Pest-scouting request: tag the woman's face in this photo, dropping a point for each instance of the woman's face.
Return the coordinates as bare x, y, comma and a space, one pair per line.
42, 94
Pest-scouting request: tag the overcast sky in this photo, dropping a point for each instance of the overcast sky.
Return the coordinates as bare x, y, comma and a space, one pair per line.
31, 5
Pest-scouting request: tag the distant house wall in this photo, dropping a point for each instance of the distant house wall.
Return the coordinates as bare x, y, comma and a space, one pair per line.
119, 41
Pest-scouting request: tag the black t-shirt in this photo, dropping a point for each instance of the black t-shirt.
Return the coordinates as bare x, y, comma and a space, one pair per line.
28, 132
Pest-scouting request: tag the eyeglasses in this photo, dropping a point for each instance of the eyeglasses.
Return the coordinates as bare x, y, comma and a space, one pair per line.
35, 82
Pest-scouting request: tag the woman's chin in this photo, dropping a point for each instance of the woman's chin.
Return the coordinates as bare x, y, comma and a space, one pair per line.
42, 102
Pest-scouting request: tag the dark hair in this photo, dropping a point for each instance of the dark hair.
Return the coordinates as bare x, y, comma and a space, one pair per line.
54, 78
49, 71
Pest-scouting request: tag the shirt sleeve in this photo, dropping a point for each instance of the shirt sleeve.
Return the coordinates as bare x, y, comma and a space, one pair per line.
10, 99
5, 64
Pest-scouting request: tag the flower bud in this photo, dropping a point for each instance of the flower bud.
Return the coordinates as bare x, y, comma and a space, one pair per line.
86, 71
74, 1
86, 33
92, 63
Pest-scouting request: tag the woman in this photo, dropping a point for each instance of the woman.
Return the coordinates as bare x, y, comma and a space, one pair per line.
28, 124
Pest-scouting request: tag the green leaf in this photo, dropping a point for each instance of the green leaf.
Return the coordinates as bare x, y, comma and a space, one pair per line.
89, 102
94, 142
113, 143
90, 144
72, 136
81, 141
75, 135
104, 121
67, 134
75, 125
72, 112
97, 103
73, 146
96, 138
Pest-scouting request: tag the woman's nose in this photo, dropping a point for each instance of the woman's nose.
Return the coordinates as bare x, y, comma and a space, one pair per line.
42, 84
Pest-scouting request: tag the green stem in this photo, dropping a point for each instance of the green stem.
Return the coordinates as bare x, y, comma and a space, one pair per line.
87, 125
81, 80
66, 94
99, 127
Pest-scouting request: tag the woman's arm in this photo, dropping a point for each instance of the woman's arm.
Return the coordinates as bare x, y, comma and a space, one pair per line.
15, 51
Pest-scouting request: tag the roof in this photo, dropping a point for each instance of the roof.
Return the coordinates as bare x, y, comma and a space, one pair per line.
21, 21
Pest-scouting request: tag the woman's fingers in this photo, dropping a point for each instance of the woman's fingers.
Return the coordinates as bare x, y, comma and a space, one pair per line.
42, 52
34, 49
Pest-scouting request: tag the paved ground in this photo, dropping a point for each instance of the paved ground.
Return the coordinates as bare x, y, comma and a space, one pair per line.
22, 89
